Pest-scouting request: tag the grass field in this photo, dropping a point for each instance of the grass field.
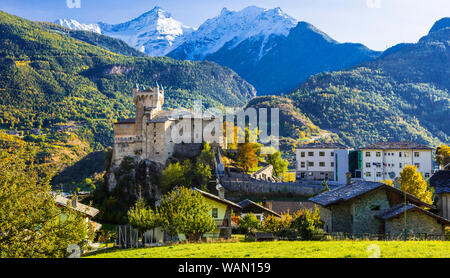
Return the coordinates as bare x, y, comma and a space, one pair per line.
290, 249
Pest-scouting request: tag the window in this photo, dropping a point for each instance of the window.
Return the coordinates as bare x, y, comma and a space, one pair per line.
427, 175
400, 165
367, 154
302, 164
332, 164
310, 153
378, 165
321, 153
378, 154
417, 165
215, 213
406, 154
368, 174
332, 153
302, 154
311, 164
416, 154
378, 174
322, 164
399, 154
367, 164
374, 207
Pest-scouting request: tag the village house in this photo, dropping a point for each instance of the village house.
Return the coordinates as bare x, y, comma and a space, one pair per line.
150, 134
221, 211
88, 212
386, 160
322, 161
441, 183
375, 208
261, 212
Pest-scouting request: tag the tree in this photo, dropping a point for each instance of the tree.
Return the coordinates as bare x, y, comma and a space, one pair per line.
387, 182
185, 211
31, 224
443, 155
413, 183
249, 224
247, 157
307, 223
206, 156
276, 225
173, 175
142, 217
280, 166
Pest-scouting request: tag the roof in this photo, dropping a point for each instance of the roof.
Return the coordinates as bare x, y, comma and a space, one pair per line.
282, 207
400, 209
218, 199
348, 192
63, 201
248, 203
441, 181
323, 146
396, 146
126, 121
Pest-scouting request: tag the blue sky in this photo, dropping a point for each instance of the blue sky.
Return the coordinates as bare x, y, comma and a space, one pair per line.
376, 23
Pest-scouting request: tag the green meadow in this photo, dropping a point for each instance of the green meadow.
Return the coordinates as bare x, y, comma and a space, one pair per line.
289, 249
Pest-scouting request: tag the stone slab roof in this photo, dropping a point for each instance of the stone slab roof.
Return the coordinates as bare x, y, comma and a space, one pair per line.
323, 146
441, 181
400, 209
249, 203
63, 201
292, 207
396, 146
356, 189
218, 199
126, 121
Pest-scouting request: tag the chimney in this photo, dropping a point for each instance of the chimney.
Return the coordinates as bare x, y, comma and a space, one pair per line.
267, 204
221, 191
75, 201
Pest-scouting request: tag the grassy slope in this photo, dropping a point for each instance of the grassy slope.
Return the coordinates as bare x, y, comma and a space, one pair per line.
287, 249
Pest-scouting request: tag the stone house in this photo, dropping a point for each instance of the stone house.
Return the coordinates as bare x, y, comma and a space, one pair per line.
441, 183
376, 208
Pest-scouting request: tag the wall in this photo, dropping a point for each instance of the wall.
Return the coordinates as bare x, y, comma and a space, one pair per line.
444, 205
416, 222
364, 220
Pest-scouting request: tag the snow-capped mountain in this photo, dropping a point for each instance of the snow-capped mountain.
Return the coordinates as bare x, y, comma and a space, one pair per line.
230, 28
75, 25
155, 32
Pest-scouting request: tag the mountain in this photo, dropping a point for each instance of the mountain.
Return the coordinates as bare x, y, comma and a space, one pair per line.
155, 32
75, 25
48, 78
229, 29
403, 95
269, 49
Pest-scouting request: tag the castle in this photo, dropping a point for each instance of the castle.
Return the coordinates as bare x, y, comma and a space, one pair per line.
155, 134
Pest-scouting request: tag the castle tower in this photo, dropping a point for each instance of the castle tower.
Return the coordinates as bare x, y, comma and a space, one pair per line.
148, 103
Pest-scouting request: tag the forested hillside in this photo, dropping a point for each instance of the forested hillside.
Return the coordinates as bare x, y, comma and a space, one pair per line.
404, 95
48, 77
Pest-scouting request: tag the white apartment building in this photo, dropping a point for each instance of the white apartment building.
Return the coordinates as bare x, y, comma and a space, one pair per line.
322, 161
386, 160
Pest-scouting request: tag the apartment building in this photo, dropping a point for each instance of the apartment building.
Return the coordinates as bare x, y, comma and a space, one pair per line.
322, 161
386, 160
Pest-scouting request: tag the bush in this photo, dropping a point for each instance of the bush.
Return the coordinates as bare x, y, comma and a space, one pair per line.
249, 224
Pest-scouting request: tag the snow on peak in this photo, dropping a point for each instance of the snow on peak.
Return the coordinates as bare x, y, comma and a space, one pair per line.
75, 25
233, 27
155, 32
